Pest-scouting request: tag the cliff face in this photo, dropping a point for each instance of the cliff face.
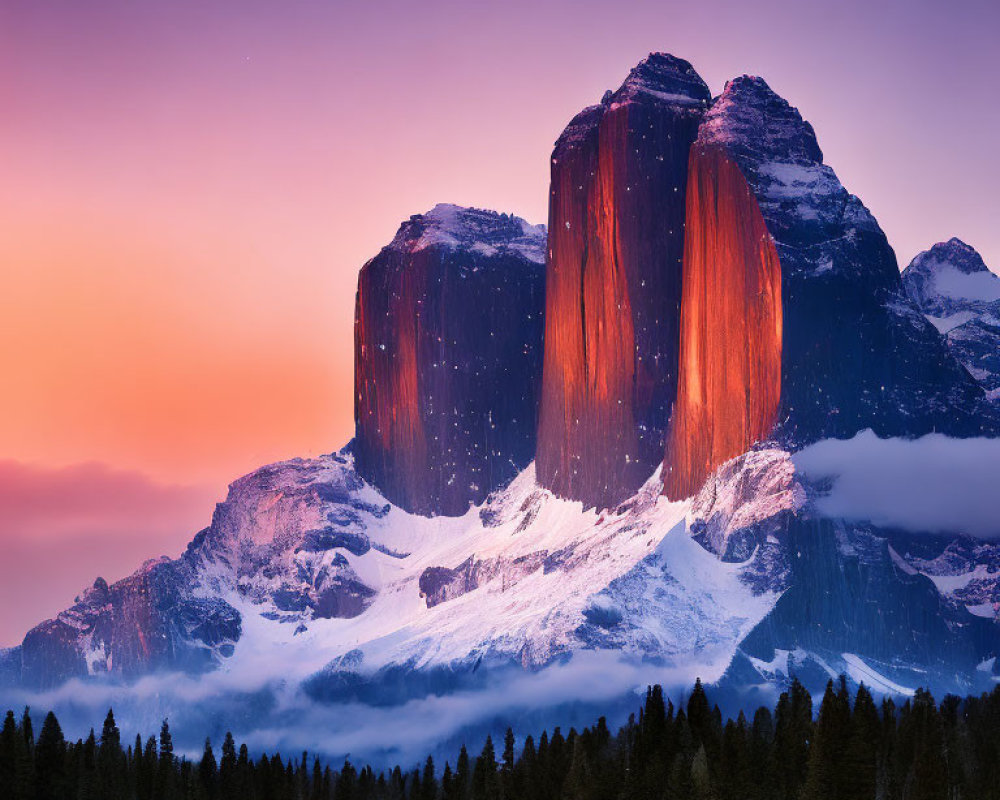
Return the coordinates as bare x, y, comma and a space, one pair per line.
959, 295
731, 325
855, 352
613, 287
143, 623
448, 331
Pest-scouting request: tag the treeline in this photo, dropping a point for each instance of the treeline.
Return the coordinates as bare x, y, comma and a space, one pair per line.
854, 749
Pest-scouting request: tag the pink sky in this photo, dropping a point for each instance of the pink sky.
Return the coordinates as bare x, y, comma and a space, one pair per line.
190, 189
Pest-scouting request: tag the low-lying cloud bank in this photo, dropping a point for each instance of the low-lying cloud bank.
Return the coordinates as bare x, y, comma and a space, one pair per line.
934, 484
271, 716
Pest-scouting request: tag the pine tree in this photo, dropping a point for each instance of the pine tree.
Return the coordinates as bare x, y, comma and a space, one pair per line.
346, 783
208, 772
698, 714
110, 760
463, 775
885, 779
508, 753
579, 781
861, 752
485, 781
929, 771
428, 781
792, 734
316, 782
8, 753
87, 782
527, 770
447, 783
165, 765
146, 770
50, 761
27, 730
828, 745
244, 780
761, 766
734, 761
227, 769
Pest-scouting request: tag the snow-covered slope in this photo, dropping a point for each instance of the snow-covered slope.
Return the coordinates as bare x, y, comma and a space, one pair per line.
525, 578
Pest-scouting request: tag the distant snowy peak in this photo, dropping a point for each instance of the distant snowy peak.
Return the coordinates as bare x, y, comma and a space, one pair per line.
665, 78
954, 253
476, 230
954, 289
951, 277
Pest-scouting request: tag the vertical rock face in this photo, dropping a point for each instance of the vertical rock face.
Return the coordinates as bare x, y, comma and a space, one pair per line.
448, 348
613, 287
954, 289
854, 351
731, 325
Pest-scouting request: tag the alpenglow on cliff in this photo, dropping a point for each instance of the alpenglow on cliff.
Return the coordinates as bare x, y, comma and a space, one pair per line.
705, 283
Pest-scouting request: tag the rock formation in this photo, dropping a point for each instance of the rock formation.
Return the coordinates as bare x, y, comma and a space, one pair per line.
854, 351
448, 349
731, 324
146, 622
954, 289
613, 288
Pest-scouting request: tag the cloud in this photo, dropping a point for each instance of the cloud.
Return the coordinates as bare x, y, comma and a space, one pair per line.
934, 484
62, 527
271, 716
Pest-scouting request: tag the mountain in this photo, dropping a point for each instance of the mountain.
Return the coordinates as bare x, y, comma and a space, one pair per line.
794, 322
616, 237
959, 295
448, 357
715, 307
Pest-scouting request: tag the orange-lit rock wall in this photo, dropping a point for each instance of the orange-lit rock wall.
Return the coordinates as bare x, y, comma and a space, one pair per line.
386, 398
616, 228
731, 326
448, 352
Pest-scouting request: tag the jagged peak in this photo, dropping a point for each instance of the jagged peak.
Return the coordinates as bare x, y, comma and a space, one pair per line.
663, 77
750, 116
659, 77
479, 230
954, 253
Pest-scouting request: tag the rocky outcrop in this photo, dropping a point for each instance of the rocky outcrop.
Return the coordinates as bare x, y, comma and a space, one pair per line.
953, 288
613, 288
289, 541
291, 537
854, 351
854, 605
448, 349
144, 623
440, 584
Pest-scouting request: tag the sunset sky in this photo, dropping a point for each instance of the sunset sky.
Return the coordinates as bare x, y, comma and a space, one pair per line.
190, 188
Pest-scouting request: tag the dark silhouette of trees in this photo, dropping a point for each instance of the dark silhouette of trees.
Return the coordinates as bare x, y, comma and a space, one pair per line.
854, 749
